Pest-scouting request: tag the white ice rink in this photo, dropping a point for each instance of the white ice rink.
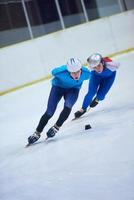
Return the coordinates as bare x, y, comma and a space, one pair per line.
96, 164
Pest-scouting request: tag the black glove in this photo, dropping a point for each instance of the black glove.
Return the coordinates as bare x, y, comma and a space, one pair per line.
94, 103
79, 113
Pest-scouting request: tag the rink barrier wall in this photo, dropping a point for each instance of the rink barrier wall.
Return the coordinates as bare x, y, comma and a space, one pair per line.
49, 76
31, 61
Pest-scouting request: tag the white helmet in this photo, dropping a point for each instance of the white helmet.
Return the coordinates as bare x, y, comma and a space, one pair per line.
74, 65
94, 60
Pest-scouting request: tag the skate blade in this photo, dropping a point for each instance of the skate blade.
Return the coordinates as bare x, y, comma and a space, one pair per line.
76, 118
27, 145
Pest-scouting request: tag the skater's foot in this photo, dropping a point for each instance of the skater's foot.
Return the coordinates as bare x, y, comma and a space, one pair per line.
52, 131
34, 137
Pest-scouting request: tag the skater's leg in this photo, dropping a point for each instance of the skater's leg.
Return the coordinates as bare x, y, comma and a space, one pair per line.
54, 98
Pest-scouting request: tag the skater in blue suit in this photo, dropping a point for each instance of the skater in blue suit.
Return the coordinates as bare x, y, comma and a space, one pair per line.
103, 73
66, 83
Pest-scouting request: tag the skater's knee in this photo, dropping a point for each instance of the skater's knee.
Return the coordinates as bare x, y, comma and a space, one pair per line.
49, 113
67, 109
68, 105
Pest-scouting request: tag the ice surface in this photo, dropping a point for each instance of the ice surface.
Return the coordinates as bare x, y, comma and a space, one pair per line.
96, 164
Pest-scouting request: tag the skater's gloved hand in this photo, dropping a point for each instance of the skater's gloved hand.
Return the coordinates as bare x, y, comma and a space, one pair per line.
79, 113
94, 103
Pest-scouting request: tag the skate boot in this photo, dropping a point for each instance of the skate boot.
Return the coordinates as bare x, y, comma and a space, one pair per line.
34, 137
79, 113
52, 131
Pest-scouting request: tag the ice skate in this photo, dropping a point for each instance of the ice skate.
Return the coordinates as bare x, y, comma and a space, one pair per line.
33, 138
52, 131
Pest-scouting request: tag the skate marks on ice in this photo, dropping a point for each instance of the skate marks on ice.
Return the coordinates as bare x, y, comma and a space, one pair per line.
100, 128
43, 141
105, 120
64, 134
120, 109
